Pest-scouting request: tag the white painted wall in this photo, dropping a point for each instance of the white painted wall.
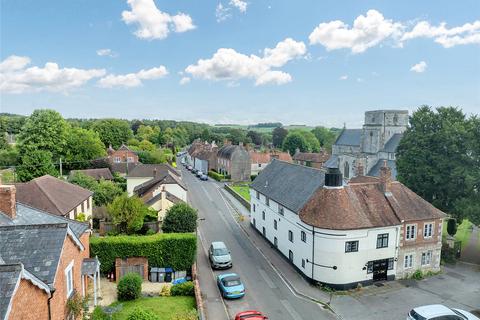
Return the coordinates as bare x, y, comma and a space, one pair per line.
132, 182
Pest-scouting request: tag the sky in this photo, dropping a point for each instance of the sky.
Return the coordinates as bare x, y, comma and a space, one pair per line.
238, 61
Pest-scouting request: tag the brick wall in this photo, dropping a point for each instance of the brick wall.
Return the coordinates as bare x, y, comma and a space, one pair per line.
123, 154
132, 261
27, 296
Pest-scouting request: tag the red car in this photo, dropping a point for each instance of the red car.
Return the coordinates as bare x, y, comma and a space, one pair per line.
250, 315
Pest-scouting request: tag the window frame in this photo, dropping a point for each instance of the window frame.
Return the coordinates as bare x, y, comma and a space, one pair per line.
281, 210
303, 263
408, 263
303, 236
381, 237
267, 201
426, 255
258, 195
431, 224
408, 231
275, 224
70, 286
290, 255
263, 215
390, 263
348, 244
290, 236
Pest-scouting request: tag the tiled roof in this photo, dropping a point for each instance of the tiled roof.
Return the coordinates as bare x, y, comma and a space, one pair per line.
350, 137
50, 194
165, 178
318, 157
97, 174
259, 157
149, 170
9, 277
227, 150
375, 170
289, 184
392, 144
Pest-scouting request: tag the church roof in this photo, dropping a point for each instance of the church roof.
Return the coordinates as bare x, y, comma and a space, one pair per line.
392, 144
349, 137
375, 171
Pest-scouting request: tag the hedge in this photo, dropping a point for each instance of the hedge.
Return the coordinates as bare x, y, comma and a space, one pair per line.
216, 176
175, 250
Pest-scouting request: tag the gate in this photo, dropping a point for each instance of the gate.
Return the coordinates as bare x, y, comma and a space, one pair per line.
457, 248
138, 268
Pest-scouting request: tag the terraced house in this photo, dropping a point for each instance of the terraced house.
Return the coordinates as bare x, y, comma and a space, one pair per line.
343, 233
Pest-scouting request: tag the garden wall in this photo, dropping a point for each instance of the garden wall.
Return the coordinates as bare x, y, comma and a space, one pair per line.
244, 202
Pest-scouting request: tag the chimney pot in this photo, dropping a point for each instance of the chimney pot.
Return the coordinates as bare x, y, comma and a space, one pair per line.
8, 201
385, 177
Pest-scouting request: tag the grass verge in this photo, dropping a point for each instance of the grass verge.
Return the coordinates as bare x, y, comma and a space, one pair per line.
164, 307
243, 191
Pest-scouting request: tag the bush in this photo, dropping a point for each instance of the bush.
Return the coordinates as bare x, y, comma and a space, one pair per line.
216, 176
129, 287
140, 314
165, 292
186, 315
180, 218
417, 275
99, 314
176, 250
183, 289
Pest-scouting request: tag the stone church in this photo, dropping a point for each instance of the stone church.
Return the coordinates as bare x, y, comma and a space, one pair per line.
363, 151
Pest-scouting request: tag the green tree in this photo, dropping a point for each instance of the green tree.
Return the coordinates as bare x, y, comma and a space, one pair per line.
325, 137
82, 146
44, 130
256, 137
293, 141
35, 164
146, 133
312, 142
9, 157
113, 131
127, 213
180, 218
146, 145
104, 192
278, 135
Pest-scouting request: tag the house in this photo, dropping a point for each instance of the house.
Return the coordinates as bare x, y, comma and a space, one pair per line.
261, 159
367, 148
202, 155
345, 233
122, 160
234, 161
56, 196
97, 174
43, 259
311, 159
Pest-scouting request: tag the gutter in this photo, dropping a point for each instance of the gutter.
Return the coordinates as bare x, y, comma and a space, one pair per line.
52, 291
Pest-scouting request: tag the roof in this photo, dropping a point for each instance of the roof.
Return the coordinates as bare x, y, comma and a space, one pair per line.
204, 154
332, 162
27, 215
259, 157
170, 197
90, 266
38, 247
164, 178
121, 167
318, 157
51, 194
125, 148
349, 137
97, 174
227, 150
291, 185
149, 170
375, 170
9, 278
392, 144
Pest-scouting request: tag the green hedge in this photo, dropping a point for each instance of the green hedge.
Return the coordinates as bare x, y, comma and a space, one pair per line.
216, 176
183, 289
175, 250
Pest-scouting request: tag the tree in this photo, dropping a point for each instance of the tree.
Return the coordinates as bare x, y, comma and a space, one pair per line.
35, 164
104, 192
312, 143
451, 227
113, 131
146, 145
294, 141
82, 146
325, 137
438, 158
146, 133
44, 130
237, 135
127, 213
9, 157
180, 218
256, 137
279, 134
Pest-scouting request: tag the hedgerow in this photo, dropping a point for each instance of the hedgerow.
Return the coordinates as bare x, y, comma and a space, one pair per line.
175, 250
215, 175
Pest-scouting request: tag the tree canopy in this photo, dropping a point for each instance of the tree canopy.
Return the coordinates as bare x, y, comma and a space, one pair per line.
293, 141
180, 218
325, 137
128, 213
82, 146
279, 134
113, 131
34, 164
104, 192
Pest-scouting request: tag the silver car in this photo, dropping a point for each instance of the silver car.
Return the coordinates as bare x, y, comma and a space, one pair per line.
439, 312
219, 255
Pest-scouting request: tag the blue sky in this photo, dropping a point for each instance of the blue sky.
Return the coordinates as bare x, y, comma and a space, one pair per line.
327, 63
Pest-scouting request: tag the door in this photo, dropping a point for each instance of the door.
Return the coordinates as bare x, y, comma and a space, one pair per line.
380, 270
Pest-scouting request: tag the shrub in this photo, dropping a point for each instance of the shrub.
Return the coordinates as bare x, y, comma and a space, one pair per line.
81, 217
76, 304
140, 314
176, 250
216, 176
99, 314
452, 227
180, 218
417, 275
186, 315
129, 287
165, 292
183, 289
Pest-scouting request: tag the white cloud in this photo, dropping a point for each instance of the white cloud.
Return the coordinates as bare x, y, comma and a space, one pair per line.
367, 31
15, 77
227, 64
132, 79
419, 67
184, 80
106, 53
153, 23
222, 13
344, 77
240, 5
469, 33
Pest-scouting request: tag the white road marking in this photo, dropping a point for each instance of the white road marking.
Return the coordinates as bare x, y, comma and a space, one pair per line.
290, 310
267, 279
208, 196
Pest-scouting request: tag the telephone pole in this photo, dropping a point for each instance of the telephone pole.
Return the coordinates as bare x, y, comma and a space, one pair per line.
61, 171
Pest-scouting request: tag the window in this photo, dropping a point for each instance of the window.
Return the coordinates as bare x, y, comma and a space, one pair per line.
290, 255
254, 222
411, 232
351, 246
303, 236
264, 231
390, 264
88, 203
267, 201
427, 230
258, 195
290, 235
382, 240
280, 210
346, 170
263, 215
129, 159
117, 160
69, 279
83, 206
303, 263
370, 267
408, 262
254, 207
426, 258
259, 165
275, 224
275, 242
309, 163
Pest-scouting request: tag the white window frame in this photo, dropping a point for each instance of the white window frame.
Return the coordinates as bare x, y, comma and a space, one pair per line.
69, 279
430, 233
427, 258
409, 263
303, 236
129, 159
408, 229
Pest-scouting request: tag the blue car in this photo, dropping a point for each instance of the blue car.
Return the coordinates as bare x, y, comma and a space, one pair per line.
230, 285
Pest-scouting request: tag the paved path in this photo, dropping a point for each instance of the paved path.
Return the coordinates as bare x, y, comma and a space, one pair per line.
471, 252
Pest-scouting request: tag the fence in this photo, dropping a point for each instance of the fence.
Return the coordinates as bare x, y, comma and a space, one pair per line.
106, 227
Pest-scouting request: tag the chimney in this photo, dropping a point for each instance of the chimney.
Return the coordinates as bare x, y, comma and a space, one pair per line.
385, 177
360, 169
8, 200
333, 178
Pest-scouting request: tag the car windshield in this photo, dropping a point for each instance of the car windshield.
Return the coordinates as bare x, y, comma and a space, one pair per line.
231, 283
459, 314
416, 316
220, 252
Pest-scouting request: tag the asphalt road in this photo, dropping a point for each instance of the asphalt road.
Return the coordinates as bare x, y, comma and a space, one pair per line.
265, 290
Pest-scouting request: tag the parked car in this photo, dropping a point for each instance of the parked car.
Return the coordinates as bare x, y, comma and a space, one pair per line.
219, 255
438, 311
199, 173
189, 168
250, 315
204, 177
230, 285
194, 171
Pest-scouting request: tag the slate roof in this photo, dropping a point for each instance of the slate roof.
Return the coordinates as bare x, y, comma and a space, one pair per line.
318, 157
9, 277
332, 162
227, 150
392, 144
28, 215
291, 185
166, 178
349, 137
121, 167
38, 247
148, 170
375, 170
170, 197
89, 266
50, 194
97, 174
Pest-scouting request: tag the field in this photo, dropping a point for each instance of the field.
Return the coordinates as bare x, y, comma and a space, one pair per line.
264, 129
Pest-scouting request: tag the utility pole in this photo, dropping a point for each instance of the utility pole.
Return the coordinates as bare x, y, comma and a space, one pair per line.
61, 171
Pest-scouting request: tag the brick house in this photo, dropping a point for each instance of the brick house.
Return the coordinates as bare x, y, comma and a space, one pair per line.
42, 260
122, 160
234, 160
311, 159
261, 159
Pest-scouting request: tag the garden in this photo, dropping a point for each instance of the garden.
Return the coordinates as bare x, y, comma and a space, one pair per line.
243, 190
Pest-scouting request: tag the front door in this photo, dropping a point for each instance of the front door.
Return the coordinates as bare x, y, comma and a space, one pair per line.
380, 270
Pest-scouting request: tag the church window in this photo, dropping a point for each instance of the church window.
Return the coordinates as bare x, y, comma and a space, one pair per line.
346, 170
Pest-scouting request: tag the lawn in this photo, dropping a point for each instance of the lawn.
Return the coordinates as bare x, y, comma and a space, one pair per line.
242, 190
164, 307
463, 232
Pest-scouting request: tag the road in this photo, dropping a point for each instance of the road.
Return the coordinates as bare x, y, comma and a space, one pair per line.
265, 289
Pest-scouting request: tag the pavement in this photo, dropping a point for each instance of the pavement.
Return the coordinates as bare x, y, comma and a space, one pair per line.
471, 252
266, 287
